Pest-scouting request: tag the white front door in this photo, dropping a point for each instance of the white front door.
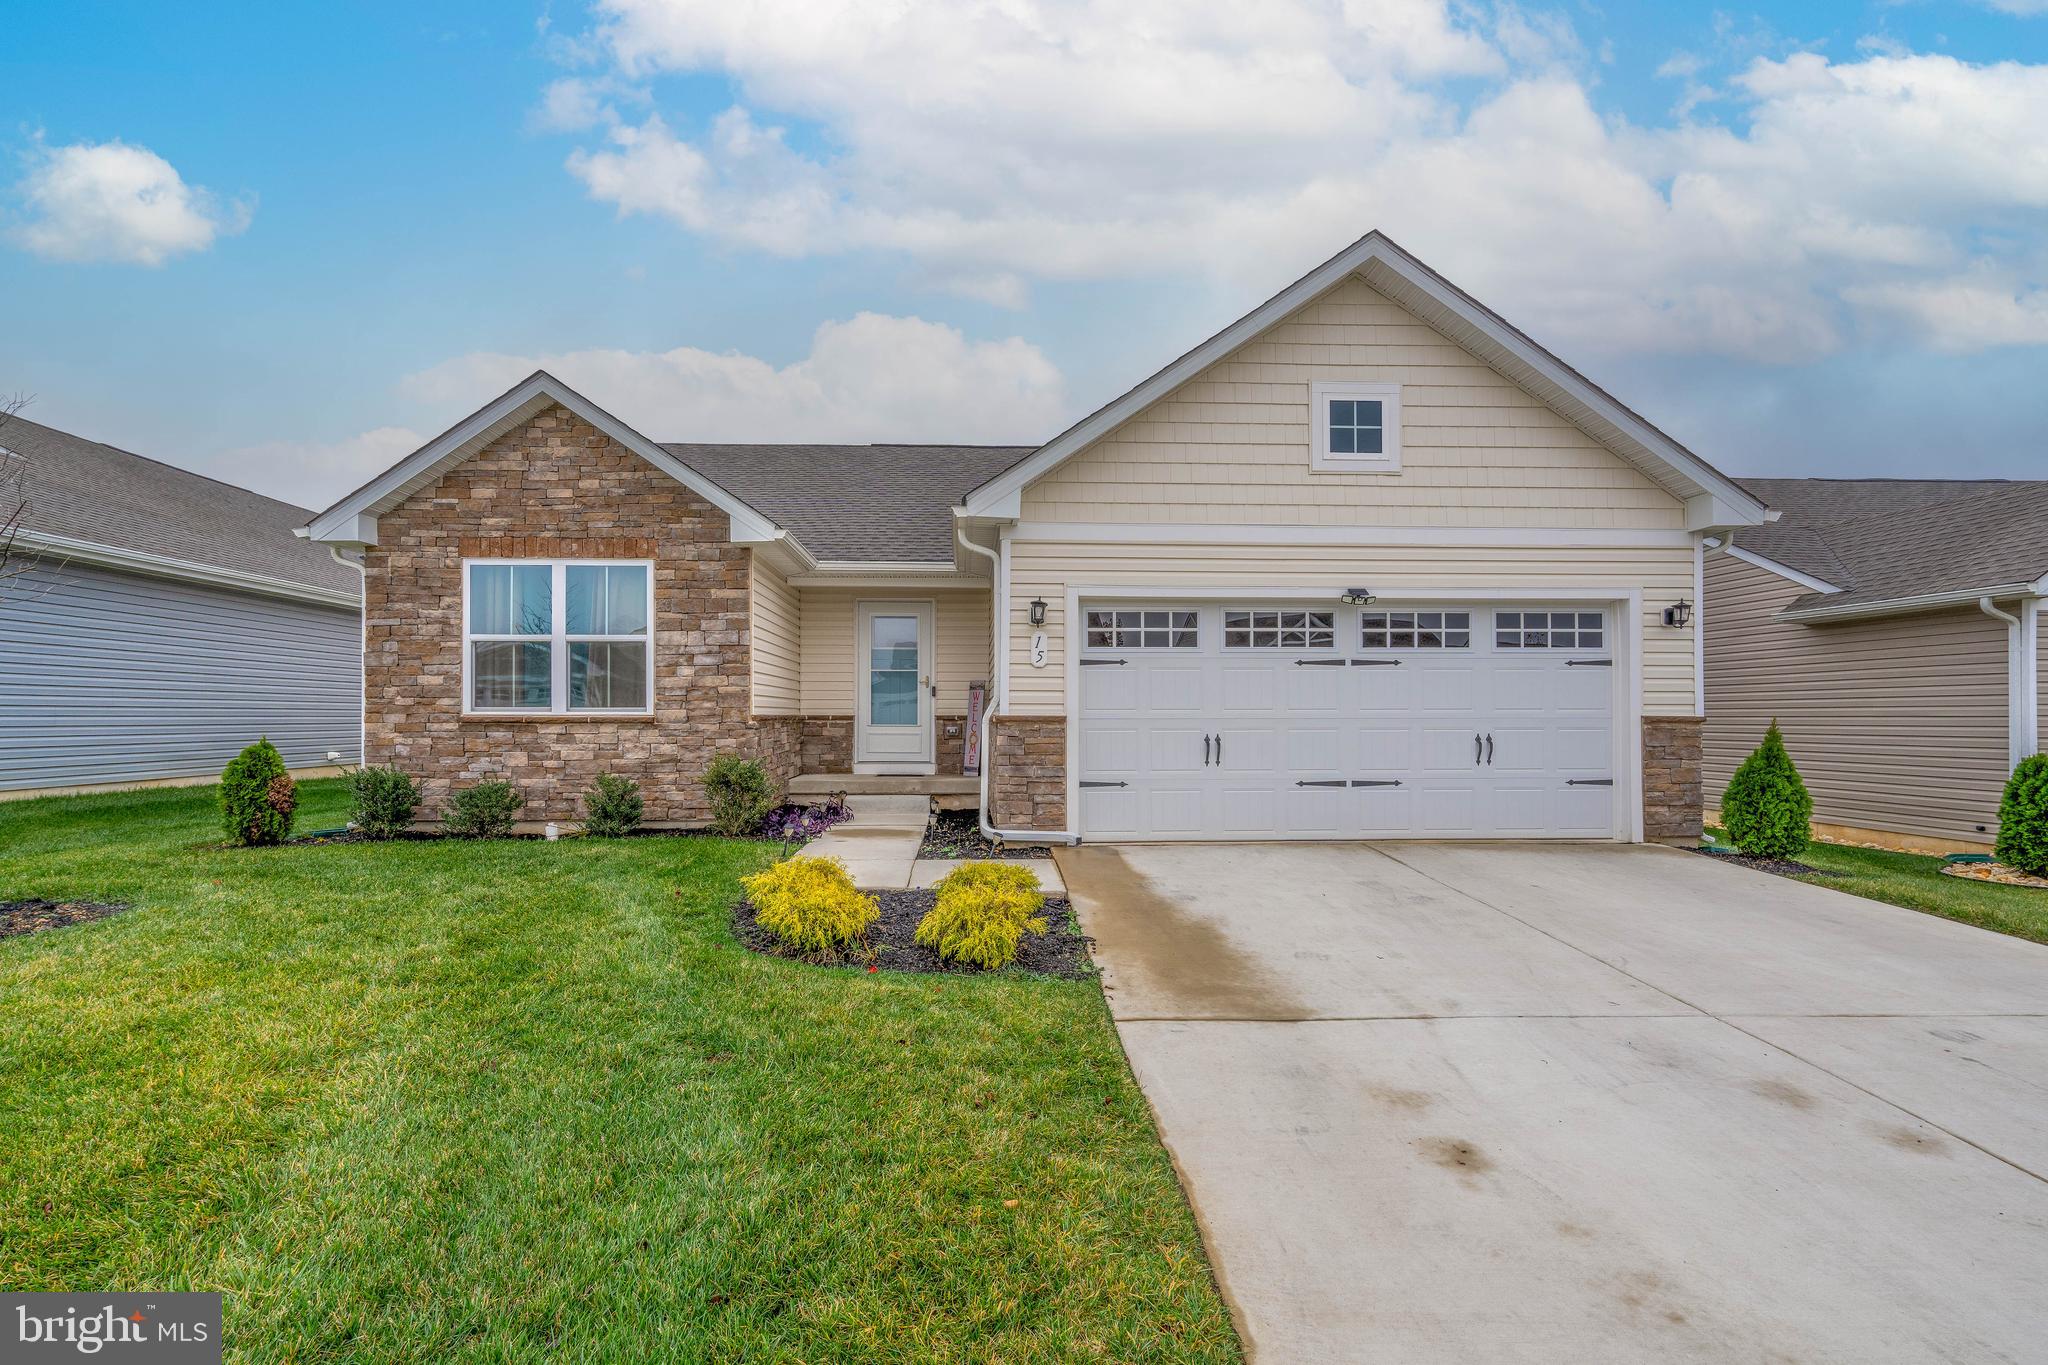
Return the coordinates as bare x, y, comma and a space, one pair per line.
892, 727
1297, 721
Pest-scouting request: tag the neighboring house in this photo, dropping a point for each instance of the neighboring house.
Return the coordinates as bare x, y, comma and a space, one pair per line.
1160, 598
1892, 628
164, 621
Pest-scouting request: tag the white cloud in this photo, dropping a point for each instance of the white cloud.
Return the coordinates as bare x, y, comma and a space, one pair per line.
112, 201
315, 473
994, 144
868, 378
1967, 313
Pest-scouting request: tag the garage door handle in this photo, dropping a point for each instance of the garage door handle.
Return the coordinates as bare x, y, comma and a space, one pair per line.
1219, 750
1478, 750
1339, 783
1489, 751
1319, 663
1105, 784
1589, 663
1589, 782
1205, 750
1395, 782
1101, 663
1374, 663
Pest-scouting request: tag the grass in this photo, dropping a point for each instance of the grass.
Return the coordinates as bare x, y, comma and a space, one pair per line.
1915, 881
513, 1101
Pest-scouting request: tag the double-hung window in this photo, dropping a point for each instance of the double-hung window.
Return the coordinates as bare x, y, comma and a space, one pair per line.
558, 637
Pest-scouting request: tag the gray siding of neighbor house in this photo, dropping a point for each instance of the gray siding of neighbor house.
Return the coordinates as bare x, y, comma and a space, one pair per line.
1897, 723
115, 677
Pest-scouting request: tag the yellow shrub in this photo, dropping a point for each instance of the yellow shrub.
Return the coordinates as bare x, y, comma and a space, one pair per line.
984, 909
811, 904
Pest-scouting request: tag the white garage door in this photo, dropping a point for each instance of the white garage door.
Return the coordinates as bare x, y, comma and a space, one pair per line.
1247, 721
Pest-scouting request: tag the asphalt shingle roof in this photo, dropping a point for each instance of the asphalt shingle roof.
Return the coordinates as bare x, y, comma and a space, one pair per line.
871, 502
99, 493
1884, 539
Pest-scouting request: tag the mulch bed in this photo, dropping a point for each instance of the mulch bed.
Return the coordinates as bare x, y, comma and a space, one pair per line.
1061, 950
957, 834
1996, 873
1778, 867
28, 917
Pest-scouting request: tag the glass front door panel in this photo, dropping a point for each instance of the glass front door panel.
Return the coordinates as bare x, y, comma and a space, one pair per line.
892, 671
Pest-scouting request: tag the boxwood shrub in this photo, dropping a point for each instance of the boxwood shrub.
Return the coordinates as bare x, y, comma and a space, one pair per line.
484, 811
385, 800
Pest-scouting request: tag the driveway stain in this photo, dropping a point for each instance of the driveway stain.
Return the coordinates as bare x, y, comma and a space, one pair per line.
1173, 952
1455, 1154
1394, 1097
1784, 1092
1913, 1140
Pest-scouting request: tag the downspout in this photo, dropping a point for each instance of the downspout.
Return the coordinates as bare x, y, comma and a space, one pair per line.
2019, 708
360, 562
1001, 639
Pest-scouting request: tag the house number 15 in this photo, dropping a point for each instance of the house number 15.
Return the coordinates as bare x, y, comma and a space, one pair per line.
1038, 650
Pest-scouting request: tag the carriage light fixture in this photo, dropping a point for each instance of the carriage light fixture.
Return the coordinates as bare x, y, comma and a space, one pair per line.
1678, 613
1038, 611
1357, 597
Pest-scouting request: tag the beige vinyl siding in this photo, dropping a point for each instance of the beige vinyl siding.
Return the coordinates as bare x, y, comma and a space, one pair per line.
775, 626
1231, 445
1047, 568
960, 621
1897, 723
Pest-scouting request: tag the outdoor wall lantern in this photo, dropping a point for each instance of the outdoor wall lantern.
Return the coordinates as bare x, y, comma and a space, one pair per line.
1038, 611
1357, 597
1678, 613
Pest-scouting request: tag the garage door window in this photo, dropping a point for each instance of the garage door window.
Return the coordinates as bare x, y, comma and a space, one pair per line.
1549, 629
1142, 630
1279, 629
1415, 629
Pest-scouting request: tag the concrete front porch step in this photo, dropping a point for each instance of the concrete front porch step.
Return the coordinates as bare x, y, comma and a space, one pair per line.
952, 793
901, 811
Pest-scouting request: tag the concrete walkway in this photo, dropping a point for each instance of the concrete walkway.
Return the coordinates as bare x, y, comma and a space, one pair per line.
1583, 1103
879, 847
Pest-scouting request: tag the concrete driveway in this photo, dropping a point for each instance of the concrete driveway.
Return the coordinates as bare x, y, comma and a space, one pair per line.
1575, 1102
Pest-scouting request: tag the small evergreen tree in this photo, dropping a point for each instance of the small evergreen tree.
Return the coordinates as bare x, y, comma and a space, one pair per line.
484, 811
257, 796
1766, 808
385, 800
741, 794
2023, 818
612, 807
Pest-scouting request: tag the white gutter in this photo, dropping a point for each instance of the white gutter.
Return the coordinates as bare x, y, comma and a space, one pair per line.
2022, 703
999, 590
1897, 606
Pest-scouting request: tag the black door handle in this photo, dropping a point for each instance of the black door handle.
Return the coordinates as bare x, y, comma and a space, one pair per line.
1489, 751
1205, 751
1219, 748
1478, 750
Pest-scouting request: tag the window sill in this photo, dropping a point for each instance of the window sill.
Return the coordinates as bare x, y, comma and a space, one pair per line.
537, 717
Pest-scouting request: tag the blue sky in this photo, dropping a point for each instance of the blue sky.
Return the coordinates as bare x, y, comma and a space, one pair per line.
282, 244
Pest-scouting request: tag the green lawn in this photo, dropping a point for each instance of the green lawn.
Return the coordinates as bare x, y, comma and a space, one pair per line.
1915, 882
523, 1102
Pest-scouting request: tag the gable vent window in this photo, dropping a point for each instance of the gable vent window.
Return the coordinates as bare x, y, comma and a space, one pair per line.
1355, 428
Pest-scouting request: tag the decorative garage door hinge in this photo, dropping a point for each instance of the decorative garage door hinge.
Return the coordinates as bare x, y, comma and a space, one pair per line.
1105, 784
1589, 781
1375, 663
1340, 782
1098, 663
1589, 663
1319, 663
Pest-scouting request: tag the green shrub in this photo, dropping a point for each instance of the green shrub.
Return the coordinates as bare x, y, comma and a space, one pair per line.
740, 793
1766, 809
983, 912
812, 905
257, 796
2023, 818
385, 800
613, 807
484, 811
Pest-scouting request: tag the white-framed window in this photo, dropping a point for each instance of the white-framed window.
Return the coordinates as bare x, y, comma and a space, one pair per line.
1279, 628
1415, 630
1142, 628
557, 637
1355, 428
1549, 630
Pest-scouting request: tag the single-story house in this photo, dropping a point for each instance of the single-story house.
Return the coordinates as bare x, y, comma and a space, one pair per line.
1892, 627
154, 621
1369, 562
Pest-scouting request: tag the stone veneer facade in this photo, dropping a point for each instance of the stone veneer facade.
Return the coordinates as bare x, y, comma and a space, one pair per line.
1028, 784
1673, 794
557, 487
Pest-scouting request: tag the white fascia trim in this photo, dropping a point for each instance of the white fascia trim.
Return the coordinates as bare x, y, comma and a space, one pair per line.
1734, 506
1194, 533
69, 550
1901, 606
860, 579
339, 522
1804, 580
1313, 592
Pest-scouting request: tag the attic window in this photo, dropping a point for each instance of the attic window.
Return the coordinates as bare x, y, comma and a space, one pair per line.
1355, 428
